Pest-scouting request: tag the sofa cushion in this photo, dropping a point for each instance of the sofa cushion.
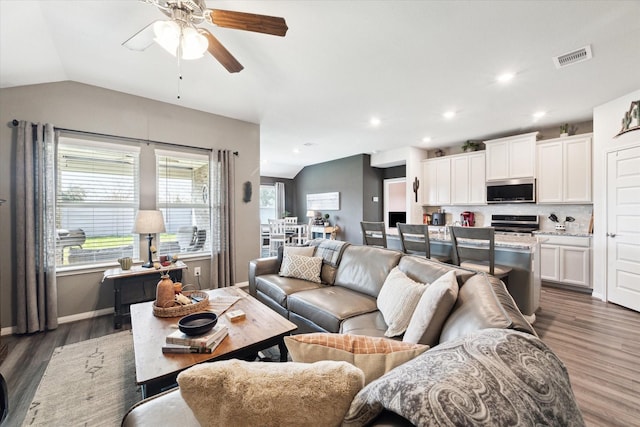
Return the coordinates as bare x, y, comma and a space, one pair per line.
397, 300
425, 270
278, 288
494, 377
237, 393
370, 324
432, 310
364, 268
301, 267
375, 356
477, 307
518, 321
328, 306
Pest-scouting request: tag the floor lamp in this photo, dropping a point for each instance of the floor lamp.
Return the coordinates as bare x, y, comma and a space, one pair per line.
149, 222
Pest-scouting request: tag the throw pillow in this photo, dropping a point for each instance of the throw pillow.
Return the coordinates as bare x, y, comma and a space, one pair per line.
374, 355
493, 377
397, 299
301, 267
238, 393
432, 310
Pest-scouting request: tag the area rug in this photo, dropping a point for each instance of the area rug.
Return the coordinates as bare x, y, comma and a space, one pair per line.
90, 383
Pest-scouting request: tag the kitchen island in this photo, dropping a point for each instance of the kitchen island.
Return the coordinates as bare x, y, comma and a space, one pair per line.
521, 253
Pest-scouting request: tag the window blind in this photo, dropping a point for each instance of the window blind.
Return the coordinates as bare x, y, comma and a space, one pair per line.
184, 198
97, 192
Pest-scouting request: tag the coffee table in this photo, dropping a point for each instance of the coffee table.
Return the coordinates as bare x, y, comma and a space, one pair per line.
155, 371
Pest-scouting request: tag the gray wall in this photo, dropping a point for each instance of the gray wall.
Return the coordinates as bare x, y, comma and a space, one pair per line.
357, 183
88, 108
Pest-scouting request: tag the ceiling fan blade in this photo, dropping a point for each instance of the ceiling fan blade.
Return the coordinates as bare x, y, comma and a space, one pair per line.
221, 53
249, 22
142, 39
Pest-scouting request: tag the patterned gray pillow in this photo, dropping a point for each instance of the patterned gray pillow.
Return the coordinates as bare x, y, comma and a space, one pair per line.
301, 267
495, 377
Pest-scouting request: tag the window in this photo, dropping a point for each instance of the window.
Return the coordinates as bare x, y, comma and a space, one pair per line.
96, 201
267, 203
183, 196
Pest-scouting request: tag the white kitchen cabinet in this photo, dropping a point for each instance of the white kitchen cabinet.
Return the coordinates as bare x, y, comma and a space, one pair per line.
511, 157
564, 170
437, 179
566, 259
468, 179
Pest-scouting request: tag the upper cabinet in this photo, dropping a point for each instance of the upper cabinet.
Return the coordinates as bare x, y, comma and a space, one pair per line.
511, 157
468, 179
455, 180
437, 178
564, 170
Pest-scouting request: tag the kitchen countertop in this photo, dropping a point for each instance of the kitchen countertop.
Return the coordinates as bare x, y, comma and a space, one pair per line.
502, 240
562, 233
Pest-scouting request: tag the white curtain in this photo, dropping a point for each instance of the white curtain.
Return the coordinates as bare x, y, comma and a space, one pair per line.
36, 293
223, 214
279, 200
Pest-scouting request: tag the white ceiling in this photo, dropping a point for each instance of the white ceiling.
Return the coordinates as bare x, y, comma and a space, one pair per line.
342, 62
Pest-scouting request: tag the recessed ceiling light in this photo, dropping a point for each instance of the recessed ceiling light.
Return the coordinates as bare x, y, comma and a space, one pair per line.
505, 77
426, 139
296, 151
449, 114
375, 121
539, 114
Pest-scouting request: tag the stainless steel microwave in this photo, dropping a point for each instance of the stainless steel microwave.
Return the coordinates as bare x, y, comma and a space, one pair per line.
521, 190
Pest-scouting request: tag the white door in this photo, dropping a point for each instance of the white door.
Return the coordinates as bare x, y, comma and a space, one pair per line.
623, 227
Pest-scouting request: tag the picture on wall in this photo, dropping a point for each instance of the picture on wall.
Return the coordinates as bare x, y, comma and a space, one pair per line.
323, 201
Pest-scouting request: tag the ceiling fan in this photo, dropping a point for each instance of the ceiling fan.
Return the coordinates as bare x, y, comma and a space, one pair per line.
181, 37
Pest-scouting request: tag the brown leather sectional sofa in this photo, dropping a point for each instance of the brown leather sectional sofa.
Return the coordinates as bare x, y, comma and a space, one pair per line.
346, 303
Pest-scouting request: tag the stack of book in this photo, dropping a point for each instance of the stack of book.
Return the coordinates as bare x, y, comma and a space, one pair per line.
178, 342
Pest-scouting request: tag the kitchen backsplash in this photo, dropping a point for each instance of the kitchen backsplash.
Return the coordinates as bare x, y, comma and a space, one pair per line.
581, 213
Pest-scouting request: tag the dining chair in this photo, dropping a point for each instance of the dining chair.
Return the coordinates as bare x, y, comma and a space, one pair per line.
291, 219
301, 234
414, 239
474, 248
277, 235
374, 233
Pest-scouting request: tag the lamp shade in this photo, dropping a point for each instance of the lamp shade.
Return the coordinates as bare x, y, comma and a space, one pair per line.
149, 222
311, 214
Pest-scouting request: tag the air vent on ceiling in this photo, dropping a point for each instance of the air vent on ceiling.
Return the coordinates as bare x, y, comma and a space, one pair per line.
579, 55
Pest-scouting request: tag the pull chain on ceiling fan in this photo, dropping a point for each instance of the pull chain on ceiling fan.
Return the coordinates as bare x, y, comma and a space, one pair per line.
180, 36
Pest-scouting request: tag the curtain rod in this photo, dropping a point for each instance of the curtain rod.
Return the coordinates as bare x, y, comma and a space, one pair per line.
126, 138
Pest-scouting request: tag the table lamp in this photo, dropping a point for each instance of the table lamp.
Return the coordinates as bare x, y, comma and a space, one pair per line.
311, 215
149, 222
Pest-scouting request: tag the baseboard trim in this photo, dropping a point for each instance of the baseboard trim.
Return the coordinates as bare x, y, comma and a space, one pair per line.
67, 319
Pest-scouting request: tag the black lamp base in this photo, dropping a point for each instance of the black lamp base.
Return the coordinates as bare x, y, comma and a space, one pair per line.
149, 263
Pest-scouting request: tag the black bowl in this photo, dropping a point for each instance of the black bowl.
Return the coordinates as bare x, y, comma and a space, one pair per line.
197, 323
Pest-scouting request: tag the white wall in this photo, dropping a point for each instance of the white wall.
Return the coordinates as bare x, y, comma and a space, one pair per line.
88, 108
606, 124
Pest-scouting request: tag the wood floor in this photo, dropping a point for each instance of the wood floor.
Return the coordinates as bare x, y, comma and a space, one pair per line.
598, 342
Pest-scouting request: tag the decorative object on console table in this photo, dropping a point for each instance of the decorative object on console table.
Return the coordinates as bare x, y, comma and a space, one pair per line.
326, 220
149, 222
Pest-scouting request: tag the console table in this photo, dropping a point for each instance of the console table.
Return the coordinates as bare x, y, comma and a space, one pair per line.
325, 232
138, 284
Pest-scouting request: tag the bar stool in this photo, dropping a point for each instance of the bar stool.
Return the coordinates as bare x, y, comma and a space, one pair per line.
374, 233
414, 239
474, 248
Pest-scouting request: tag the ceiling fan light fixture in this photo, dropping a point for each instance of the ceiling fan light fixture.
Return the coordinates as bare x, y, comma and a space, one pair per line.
167, 35
193, 44
170, 35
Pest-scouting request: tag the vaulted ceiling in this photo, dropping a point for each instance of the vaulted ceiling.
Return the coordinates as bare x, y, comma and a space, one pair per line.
342, 63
